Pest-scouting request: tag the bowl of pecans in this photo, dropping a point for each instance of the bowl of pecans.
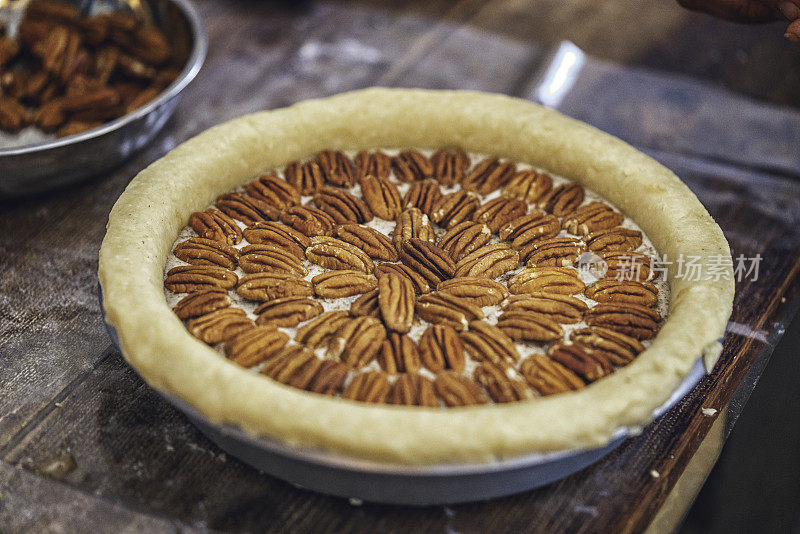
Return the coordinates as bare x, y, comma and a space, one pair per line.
84, 85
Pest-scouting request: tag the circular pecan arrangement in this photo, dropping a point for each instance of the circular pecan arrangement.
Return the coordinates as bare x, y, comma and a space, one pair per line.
418, 278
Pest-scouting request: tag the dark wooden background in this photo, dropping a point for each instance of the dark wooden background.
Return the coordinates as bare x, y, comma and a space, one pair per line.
85, 444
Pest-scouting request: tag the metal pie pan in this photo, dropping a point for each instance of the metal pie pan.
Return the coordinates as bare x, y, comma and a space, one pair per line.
370, 481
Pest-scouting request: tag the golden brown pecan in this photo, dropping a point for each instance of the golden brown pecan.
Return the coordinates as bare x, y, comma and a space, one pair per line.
449, 166
202, 302
273, 190
464, 238
489, 261
342, 206
454, 208
458, 390
563, 309
13, 115
614, 239
633, 320
396, 302
50, 115
553, 252
306, 177
219, 325
562, 199
333, 253
381, 196
287, 363
528, 186
201, 251
488, 175
528, 229
441, 348
213, 224
366, 304
321, 376
343, 283
487, 343
590, 218
623, 292
618, 348
255, 345
548, 376
500, 211
422, 195
371, 386
529, 326
309, 221
500, 386
430, 261
270, 258
270, 286
443, 308
319, 331
399, 354
479, 291
246, 208
77, 127
411, 389
288, 311
546, 279
410, 165
279, 235
357, 341
337, 168
8, 49
371, 241
412, 224
589, 364
375, 164
627, 265
421, 285
191, 278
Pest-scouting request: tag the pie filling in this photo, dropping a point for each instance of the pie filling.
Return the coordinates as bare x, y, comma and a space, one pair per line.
423, 278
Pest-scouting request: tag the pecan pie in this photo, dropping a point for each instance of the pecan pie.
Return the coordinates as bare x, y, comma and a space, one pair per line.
486, 283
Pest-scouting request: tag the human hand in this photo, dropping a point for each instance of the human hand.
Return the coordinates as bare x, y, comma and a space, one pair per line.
752, 11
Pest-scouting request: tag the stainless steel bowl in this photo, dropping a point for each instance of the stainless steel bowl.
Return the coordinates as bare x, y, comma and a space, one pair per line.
38, 167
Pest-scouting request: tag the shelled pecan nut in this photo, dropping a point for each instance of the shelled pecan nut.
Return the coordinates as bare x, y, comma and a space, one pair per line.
374, 243
201, 251
422, 194
454, 208
623, 292
427, 259
287, 363
333, 253
396, 302
343, 283
341, 206
219, 325
191, 278
499, 211
450, 166
273, 190
270, 258
441, 348
337, 168
619, 349
255, 345
287, 311
309, 221
371, 386
617, 239
411, 165
202, 302
399, 354
477, 290
562, 199
489, 261
246, 208
530, 228
529, 326
412, 224
306, 177
553, 252
488, 343
528, 186
633, 320
421, 285
13, 115
213, 224
628, 265
381, 196
488, 174
279, 235
546, 279
458, 390
549, 377
443, 308
262, 287
463, 238
590, 218
500, 386
366, 304
375, 164
411, 389
583, 361
563, 309
357, 341
325, 377
318, 331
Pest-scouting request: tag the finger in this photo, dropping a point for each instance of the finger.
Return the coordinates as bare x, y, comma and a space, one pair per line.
748, 11
793, 32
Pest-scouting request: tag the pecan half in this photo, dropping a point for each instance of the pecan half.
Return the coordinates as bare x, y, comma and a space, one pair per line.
630, 319
591, 217
489, 261
270, 286
255, 345
280, 235
366, 304
618, 348
458, 390
219, 325
500, 386
288, 311
623, 292
548, 376
333, 253
563, 309
589, 364
449, 166
528, 229
558, 280
553, 252
213, 224
562, 199
488, 175
500, 211
325, 377
396, 302
342, 206
454, 208
201, 251
627, 265
202, 302
421, 285
306, 177
372, 386
423, 195
529, 326
318, 332
287, 363
463, 238
343, 283
309, 221
381, 196
371, 241
270, 258
412, 224
411, 165
443, 308
246, 208
478, 291
357, 341
273, 190
399, 354
528, 186
337, 168
488, 343
13, 115
411, 389
191, 278
441, 348
375, 164
430, 261
614, 239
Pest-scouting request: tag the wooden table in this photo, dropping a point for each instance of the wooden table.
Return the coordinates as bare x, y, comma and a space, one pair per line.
85, 444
